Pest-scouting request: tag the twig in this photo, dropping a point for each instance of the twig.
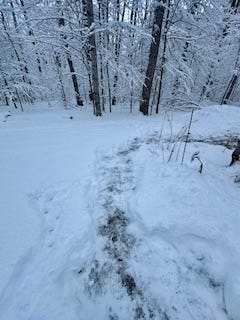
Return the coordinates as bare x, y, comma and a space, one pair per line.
189, 127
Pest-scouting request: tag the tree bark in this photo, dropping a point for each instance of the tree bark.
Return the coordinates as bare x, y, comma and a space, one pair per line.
88, 5
61, 23
163, 58
22, 63
30, 30
153, 55
235, 4
60, 77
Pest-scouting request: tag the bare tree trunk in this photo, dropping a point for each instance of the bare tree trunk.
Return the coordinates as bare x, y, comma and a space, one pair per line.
88, 5
233, 81
206, 87
22, 64
117, 53
117, 49
61, 23
5, 87
153, 55
163, 59
235, 4
103, 16
60, 77
5, 95
231, 86
102, 10
133, 21
74, 81
30, 30
146, 7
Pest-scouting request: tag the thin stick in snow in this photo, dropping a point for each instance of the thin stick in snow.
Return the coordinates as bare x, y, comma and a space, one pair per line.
189, 127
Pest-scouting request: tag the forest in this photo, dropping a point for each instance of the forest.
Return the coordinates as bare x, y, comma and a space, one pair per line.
119, 159
142, 53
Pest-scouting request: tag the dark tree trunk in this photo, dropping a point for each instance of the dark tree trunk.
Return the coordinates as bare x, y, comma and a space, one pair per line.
102, 18
30, 30
61, 23
5, 95
60, 77
153, 55
231, 86
235, 4
117, 49
88, 6
74, 81
163, 60
22, 63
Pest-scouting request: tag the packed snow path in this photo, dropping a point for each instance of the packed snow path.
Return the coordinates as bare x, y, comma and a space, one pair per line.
119, 260
138, 239
39, 150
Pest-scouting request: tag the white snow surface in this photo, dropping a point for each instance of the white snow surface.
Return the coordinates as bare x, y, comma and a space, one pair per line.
96, 223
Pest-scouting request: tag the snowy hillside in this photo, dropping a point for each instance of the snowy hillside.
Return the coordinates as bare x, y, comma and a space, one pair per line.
100, 220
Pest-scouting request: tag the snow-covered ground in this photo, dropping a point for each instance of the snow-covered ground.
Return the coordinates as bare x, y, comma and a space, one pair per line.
96, 223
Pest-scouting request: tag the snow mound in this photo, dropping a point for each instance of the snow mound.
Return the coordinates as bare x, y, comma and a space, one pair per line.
218, 121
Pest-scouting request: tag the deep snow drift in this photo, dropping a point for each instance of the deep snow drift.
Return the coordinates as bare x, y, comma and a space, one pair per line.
97, 223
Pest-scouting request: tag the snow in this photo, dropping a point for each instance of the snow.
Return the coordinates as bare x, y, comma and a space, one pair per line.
232, 293
97, 224
213, 120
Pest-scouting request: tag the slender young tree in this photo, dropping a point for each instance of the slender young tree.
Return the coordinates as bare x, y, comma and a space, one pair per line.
22, 80
235, 5
117, 45
88, 9
163, 58
62, 23
29, 29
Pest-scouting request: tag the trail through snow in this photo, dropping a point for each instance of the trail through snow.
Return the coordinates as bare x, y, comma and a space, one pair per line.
122, 233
